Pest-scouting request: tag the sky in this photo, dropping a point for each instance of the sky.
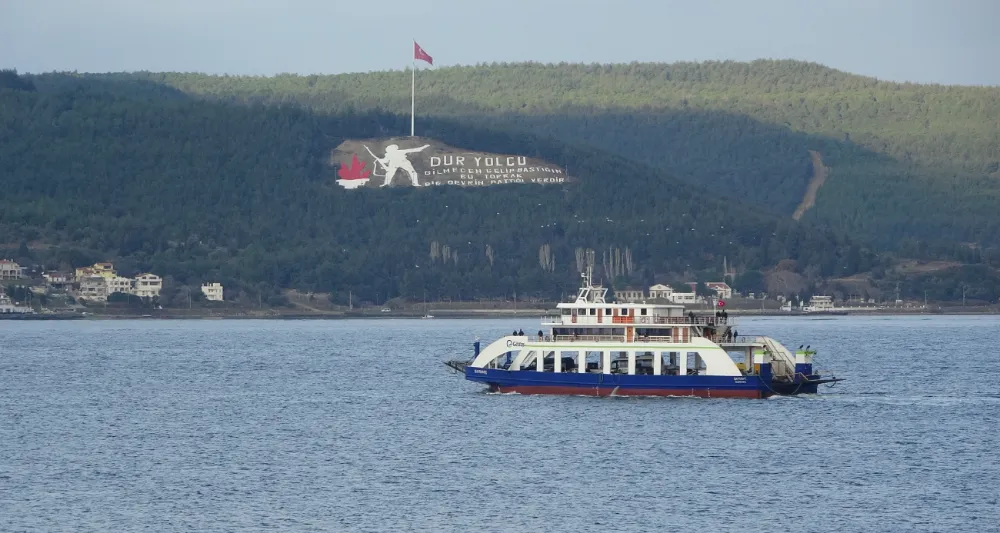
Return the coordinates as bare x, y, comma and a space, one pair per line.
928, 41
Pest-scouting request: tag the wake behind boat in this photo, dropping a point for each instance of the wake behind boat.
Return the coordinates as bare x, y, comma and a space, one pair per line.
635, 349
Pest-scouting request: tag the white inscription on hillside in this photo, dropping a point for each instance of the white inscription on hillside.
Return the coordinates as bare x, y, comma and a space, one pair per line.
481, 170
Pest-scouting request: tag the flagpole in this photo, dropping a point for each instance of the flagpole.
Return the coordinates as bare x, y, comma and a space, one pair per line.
413, 90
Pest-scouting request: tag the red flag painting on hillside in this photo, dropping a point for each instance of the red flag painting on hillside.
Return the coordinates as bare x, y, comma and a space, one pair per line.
418, 53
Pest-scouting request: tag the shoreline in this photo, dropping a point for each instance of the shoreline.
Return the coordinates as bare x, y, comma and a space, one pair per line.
215, 314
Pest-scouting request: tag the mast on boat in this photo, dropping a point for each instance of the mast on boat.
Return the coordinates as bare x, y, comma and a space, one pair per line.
590, 293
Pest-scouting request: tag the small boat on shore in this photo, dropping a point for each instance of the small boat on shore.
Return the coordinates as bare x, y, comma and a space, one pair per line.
635, 349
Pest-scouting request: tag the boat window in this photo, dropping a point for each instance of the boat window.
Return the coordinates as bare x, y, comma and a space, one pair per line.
568, 361
624, 312
594, 362
695, 364
593, 311
608, 311
643, 311
567, 312
652, 332
739, 358
529, 360
670, 361
619, 362
548, 361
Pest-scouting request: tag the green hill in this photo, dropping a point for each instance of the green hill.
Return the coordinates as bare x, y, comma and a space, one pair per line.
906, 165
198, 190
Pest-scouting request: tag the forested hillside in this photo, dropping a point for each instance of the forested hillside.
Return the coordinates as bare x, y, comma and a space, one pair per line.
200, 190
907, 164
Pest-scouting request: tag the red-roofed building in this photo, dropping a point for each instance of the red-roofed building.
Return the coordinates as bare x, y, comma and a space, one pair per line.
721, 288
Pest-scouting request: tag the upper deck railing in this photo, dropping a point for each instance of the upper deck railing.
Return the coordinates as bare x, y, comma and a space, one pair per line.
741, 340
641, 320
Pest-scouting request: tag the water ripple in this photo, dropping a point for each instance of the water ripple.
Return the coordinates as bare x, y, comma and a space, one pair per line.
357, 426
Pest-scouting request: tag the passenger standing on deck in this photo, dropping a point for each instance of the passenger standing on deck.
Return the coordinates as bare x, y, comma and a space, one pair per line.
520, 332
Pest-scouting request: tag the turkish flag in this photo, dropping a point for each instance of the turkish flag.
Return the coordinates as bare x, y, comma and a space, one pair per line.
418, 53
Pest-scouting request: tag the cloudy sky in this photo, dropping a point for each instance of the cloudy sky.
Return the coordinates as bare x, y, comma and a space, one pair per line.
938, 41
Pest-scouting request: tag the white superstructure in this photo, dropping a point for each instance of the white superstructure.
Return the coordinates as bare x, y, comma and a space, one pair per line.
590, 335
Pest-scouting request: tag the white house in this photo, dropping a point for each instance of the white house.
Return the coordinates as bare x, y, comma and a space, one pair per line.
10, 270
661, 291
7, 306
94, 288
147, 285
212, 291
120, 284
629, 295
684, 298
721, 289
57, 279
819, 303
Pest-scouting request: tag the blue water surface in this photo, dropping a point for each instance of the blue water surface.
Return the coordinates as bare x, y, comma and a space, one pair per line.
355, 425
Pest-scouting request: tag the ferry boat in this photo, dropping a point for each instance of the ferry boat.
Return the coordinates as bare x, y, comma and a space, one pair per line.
637, 349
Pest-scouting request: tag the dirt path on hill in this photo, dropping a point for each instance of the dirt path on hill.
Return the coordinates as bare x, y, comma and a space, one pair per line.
819, 177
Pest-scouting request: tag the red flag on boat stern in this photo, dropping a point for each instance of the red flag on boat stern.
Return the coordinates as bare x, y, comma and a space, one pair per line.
418, 53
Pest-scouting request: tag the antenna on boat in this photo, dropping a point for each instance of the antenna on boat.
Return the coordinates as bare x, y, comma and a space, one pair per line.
590, 293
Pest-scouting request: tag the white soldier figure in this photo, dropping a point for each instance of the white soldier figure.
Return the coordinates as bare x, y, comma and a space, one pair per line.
396, 159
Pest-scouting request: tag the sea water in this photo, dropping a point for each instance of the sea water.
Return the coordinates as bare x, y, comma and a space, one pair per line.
356, 425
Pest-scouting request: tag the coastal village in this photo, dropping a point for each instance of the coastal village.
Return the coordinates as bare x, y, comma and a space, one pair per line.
667, 294
819, 303
95, 284
100, 285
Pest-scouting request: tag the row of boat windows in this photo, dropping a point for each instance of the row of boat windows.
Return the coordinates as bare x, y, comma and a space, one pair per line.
608, 311
672, 363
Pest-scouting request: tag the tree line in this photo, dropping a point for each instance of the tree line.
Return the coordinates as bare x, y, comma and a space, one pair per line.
202, 190
906, 160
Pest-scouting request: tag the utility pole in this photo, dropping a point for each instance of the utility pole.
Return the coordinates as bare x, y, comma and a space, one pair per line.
964, 287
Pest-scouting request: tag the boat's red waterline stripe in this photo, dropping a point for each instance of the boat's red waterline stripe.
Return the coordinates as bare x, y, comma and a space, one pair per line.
608, 391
